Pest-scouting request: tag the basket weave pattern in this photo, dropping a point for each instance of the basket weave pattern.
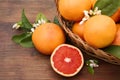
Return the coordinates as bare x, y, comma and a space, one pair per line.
82, 45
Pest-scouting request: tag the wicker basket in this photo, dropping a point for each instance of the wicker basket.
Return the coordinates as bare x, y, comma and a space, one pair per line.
82, 45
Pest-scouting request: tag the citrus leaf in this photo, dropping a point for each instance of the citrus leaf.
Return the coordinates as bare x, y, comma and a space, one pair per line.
27, 42
91, 64
19, 23
41, 16
19, 38
56, 21
26, 25
113, 50
90, 70
23, 39
107, 7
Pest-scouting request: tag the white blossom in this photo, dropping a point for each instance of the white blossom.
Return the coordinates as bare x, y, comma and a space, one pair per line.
34, 25
16, 26
93, 64
39, 22
86, 17
89, 13
32, 29
43, 21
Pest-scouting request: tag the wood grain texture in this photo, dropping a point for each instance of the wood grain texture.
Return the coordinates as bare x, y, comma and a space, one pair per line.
17, 63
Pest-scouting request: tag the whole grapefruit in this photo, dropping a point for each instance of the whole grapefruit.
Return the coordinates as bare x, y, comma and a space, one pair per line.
116, 15
93, 2
99, 31
117, 37
73, 9
78, 29
67, 60
47, 37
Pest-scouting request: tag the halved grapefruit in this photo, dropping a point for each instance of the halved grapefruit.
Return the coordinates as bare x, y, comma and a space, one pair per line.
67, 60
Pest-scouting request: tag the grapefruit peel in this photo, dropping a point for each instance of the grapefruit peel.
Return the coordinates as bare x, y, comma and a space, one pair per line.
67, 60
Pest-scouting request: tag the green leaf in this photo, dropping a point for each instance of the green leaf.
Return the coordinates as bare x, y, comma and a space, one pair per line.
41, 16
56, 21
23, 39
19, 23
27, 42
107, 7
26, 25
88, 62
96, 61
19, 38
91, 64
113, 50
90, 70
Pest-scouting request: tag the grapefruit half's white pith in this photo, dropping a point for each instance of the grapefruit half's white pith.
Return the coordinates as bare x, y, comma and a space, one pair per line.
67, 60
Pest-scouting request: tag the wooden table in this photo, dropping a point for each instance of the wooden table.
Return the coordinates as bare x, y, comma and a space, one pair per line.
18, 63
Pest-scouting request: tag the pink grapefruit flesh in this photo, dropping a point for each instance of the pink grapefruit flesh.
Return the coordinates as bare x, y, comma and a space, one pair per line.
67, 60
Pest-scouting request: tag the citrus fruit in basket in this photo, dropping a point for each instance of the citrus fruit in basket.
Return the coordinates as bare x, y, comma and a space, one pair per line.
93, 2
47, 37
99, 31
117, 37
67, 60
78, 28
73, 9
116, 15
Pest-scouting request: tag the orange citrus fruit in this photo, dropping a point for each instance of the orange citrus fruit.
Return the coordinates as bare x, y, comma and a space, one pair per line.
67, 60
116, 15
47, 37
78, 29
93, 2
73, 9
117, 37
99, 31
